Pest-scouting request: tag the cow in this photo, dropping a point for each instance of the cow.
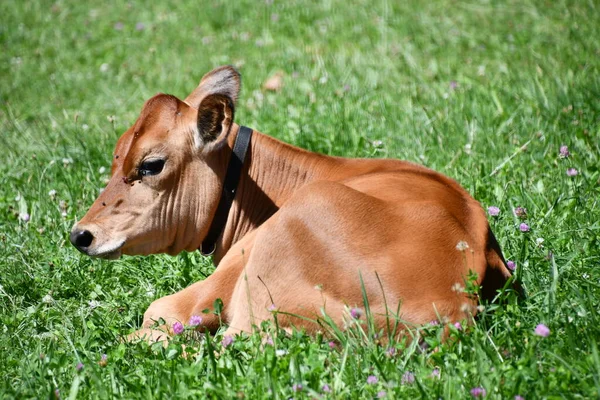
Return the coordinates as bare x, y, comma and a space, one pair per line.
307, 233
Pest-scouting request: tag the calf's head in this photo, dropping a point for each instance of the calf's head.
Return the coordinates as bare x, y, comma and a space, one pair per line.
166, 174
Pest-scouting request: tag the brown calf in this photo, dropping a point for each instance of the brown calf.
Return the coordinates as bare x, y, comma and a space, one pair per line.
302, 228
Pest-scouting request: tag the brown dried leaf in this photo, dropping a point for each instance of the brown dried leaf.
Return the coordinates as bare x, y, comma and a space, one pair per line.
275, 82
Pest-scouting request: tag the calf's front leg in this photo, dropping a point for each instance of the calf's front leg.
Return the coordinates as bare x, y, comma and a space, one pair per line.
193, 300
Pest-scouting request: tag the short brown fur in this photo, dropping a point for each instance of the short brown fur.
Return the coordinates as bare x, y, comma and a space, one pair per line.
303, 228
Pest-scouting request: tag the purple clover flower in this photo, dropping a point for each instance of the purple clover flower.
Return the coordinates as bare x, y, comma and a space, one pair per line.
326, 388
195, 320
381, 394
227, 341
391, 351
572, 172
119, 26
372, 379
79, 366
519, 397
177, 328
332, 345
458, 326
436, 373
520, 212
563, 152
408, 378
493, 211
356, 313
297, 387
524, 227
511, 265
272, 308
542, 330
478, 392
453, 85
140, 26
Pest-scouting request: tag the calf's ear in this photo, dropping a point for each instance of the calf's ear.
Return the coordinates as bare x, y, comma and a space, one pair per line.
224, 80
215, 117
215, 98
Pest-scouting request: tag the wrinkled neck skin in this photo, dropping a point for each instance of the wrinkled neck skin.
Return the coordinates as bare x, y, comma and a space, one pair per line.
272, 171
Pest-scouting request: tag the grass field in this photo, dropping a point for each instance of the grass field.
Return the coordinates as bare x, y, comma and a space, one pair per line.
484, 91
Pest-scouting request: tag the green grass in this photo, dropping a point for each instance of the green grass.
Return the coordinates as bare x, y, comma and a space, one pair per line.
369, 80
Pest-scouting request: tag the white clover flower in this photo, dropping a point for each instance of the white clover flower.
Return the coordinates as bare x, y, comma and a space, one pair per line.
458, 288
48, 299
93, 304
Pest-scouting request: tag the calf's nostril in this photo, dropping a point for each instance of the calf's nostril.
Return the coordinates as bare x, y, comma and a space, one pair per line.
81, 239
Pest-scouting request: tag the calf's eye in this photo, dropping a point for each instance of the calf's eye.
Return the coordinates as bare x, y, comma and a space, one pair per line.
151, 167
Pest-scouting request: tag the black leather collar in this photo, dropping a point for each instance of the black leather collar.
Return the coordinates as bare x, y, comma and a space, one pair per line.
230, 185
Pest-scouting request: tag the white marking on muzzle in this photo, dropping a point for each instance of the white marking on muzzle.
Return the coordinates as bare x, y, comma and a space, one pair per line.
110, 250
